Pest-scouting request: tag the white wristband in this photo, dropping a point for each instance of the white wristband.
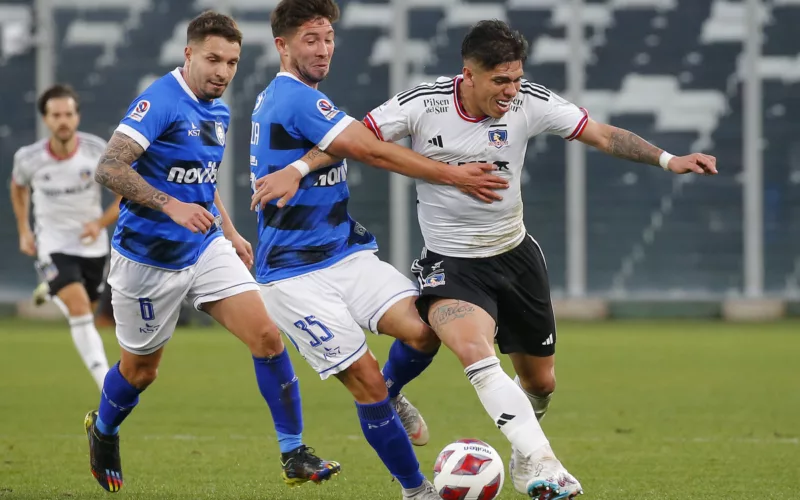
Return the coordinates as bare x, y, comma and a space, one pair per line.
301, 167
664, 159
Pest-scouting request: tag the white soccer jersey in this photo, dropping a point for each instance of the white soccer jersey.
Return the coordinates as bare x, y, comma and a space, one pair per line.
65, 195
453, 223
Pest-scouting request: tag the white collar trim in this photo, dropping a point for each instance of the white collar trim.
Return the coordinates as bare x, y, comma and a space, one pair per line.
292, 76
182, 82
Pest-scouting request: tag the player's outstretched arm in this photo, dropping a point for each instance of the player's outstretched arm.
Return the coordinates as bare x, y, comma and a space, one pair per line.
358, 142
629, 146
21, 202
115, 172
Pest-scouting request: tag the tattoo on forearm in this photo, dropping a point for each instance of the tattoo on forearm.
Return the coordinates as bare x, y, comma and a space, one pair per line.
449, 312
625, 144
315, 153
115, 173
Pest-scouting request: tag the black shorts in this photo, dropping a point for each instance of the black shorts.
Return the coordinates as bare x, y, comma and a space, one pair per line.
512, 287
63, 270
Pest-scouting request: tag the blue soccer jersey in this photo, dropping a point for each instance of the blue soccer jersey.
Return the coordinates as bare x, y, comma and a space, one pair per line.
314, 230
184, 140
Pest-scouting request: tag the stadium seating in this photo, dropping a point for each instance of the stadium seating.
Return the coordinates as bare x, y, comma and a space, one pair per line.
668, 69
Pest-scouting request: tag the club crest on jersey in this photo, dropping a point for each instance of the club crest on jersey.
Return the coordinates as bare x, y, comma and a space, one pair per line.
259, 102
498, 138
219, 128
85, 174
140, 110
328, 110
433, 280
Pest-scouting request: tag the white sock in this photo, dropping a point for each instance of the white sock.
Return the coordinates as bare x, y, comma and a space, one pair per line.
61, 306
506, 403
90, 346
539, 403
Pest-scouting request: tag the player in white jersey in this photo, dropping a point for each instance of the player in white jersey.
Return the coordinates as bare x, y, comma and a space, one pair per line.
70, 242
482, 277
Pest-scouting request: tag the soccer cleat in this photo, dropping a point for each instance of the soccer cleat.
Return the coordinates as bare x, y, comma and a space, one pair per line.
425, 492
412, 420
301, 465
103, 455
41, 294
542, 477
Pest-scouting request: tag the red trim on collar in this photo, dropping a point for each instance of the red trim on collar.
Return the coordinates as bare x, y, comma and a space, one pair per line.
459, 108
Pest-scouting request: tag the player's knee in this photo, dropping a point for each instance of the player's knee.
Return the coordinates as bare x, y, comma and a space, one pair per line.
77, 305
425, 341
364, 381
266, 342
541, 386
472, 349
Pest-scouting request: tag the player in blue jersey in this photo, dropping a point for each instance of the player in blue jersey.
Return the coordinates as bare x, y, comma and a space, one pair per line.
318, 273
174, 241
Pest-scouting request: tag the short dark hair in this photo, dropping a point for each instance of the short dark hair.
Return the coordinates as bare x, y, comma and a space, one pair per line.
211, 23
291, 14
56, 92
493, 42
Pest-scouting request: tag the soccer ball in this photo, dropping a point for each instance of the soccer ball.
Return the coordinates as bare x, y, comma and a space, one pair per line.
468, 469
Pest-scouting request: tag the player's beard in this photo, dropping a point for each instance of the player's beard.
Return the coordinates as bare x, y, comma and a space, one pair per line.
213, 92
309, 76
64, 135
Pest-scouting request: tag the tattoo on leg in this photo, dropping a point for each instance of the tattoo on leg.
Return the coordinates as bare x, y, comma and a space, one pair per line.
449, 312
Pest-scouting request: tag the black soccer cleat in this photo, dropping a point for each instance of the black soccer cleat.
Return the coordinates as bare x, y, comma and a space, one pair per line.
301, 465
103, 455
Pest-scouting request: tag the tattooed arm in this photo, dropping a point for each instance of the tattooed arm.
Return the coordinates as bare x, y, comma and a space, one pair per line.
115, 172
629, 146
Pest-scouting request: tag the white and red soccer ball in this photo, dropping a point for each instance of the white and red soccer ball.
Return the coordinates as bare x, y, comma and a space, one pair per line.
468, 469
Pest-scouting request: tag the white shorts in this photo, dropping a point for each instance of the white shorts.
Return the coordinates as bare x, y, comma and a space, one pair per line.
147, 299
324, 313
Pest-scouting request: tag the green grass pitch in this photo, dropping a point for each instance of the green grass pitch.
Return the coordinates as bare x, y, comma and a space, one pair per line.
644, 410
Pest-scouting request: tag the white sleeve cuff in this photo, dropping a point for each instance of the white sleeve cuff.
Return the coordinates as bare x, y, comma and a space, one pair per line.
134, 134
334, 132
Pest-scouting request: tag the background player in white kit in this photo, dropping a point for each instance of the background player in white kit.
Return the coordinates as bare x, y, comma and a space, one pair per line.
482, 277
70, 241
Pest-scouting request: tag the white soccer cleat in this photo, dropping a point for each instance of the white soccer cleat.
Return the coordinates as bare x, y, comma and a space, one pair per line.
412, 420
425, 492
41, 293
542, 477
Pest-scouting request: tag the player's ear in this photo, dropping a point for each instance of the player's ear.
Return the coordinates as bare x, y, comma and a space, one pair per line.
187, 52
469, 75
280, 45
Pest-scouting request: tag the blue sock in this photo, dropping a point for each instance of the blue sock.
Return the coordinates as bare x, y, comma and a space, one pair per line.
385, 433
404, 365
117, 400
281, 390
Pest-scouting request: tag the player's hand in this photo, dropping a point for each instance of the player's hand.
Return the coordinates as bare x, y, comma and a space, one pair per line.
282, 184
478, 181
91, 230
189, 215
697, 163
27, 244
243, 248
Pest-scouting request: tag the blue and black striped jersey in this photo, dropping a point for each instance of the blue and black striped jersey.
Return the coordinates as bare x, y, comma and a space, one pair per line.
314, 230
